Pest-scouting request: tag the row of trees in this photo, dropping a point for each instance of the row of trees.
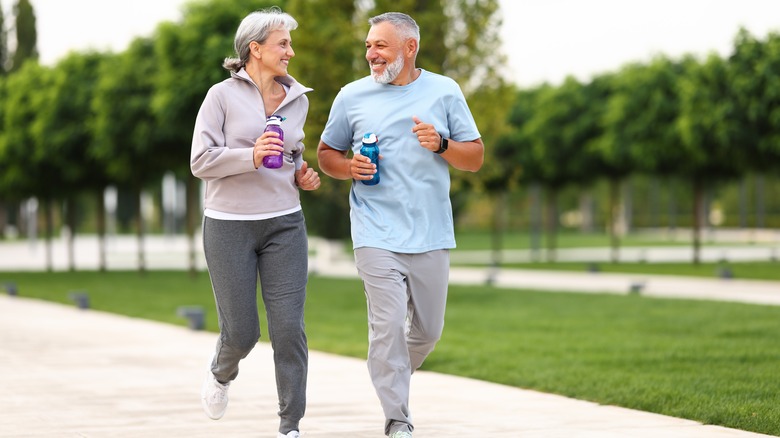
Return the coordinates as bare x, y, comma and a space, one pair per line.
25, 33
708, 122
124, 119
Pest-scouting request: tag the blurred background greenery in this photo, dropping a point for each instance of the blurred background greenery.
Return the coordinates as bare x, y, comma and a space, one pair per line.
98, 143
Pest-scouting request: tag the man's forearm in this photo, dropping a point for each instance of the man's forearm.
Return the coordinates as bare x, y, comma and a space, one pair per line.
333, 162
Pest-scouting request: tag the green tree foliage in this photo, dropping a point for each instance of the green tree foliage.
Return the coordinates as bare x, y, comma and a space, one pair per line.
334, 30
639, 124
28, 161
639, 133
328, 54
707, 122
500, 171
128, 143
189, 58
31, 166
754, 73
557, 135
26, 34
60, 127
128, 140
458, 38
431, 17
3, 45
708, 131
62, 131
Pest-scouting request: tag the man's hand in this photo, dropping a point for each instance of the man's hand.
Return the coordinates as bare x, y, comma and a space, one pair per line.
427, 135
361, 167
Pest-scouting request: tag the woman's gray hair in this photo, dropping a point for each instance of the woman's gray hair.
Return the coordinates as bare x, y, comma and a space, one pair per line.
257, 26
407, 27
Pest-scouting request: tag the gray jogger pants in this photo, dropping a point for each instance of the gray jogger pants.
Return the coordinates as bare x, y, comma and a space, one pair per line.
406, 296
277, 249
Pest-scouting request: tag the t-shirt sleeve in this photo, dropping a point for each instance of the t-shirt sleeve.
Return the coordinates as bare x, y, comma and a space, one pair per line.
338, 133
461, 121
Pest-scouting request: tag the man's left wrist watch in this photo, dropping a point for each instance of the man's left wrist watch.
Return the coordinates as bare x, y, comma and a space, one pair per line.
443, 145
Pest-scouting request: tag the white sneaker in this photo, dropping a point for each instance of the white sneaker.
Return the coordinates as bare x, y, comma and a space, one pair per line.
290, 434
400, 434
214, 396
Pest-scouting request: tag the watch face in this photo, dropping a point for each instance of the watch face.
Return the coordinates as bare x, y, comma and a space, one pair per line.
443, 145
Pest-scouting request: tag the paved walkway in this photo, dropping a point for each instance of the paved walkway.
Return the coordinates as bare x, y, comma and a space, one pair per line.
67, 372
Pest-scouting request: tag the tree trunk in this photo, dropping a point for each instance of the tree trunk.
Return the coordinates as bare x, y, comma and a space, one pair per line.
70, 219
627, 212
698, 200
139, 227
551, 221
48, 212
760, 204
535, 221
499, 215
672, 207
3, 219
101, 229
743, 203
614, 217
586, 211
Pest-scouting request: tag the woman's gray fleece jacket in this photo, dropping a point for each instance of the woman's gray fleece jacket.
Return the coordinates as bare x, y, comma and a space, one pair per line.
230, 119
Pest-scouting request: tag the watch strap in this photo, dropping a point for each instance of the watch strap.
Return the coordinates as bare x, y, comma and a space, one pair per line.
443, 145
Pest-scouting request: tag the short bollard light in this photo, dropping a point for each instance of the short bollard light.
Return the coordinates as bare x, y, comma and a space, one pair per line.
11, 288
636, 287
725, 272
195, 315
81, 298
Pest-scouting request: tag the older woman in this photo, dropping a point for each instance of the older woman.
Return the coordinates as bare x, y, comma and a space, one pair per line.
253, 222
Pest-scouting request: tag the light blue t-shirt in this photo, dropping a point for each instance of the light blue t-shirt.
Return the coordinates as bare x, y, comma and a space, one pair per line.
409, 211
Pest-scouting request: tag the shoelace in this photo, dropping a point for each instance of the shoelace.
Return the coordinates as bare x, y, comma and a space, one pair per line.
220, 393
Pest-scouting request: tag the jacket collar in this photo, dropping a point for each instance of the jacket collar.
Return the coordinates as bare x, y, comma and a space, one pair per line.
296, 89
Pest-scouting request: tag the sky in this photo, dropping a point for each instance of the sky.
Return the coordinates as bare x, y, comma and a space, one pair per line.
544, 40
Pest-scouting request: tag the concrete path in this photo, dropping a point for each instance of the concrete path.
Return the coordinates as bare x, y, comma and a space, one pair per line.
67, 372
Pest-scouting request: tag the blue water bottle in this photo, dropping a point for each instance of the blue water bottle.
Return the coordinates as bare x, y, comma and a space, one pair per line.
370, 149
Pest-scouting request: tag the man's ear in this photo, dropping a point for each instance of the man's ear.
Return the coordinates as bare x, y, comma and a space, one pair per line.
411, 47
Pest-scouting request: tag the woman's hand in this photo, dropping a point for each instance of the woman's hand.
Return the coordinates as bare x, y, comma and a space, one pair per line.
268, 144
307, 178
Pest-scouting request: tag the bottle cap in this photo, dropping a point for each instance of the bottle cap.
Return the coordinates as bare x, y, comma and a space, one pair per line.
274, 120
369, 138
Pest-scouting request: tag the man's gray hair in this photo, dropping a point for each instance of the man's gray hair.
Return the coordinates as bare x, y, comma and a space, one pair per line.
257, 26
407, 27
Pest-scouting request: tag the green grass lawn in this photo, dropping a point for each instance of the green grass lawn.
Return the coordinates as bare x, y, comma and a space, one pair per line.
712, 362
743, 270
483, 240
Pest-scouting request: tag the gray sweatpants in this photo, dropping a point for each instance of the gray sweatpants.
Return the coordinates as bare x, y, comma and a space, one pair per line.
406, 296
276, 248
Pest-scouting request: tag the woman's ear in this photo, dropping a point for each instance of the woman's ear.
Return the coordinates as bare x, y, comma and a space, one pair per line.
255, 49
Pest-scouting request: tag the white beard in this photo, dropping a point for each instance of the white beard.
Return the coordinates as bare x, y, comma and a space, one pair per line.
391, 71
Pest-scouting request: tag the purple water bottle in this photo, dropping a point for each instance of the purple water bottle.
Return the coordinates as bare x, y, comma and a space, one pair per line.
370, 149
274, 124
